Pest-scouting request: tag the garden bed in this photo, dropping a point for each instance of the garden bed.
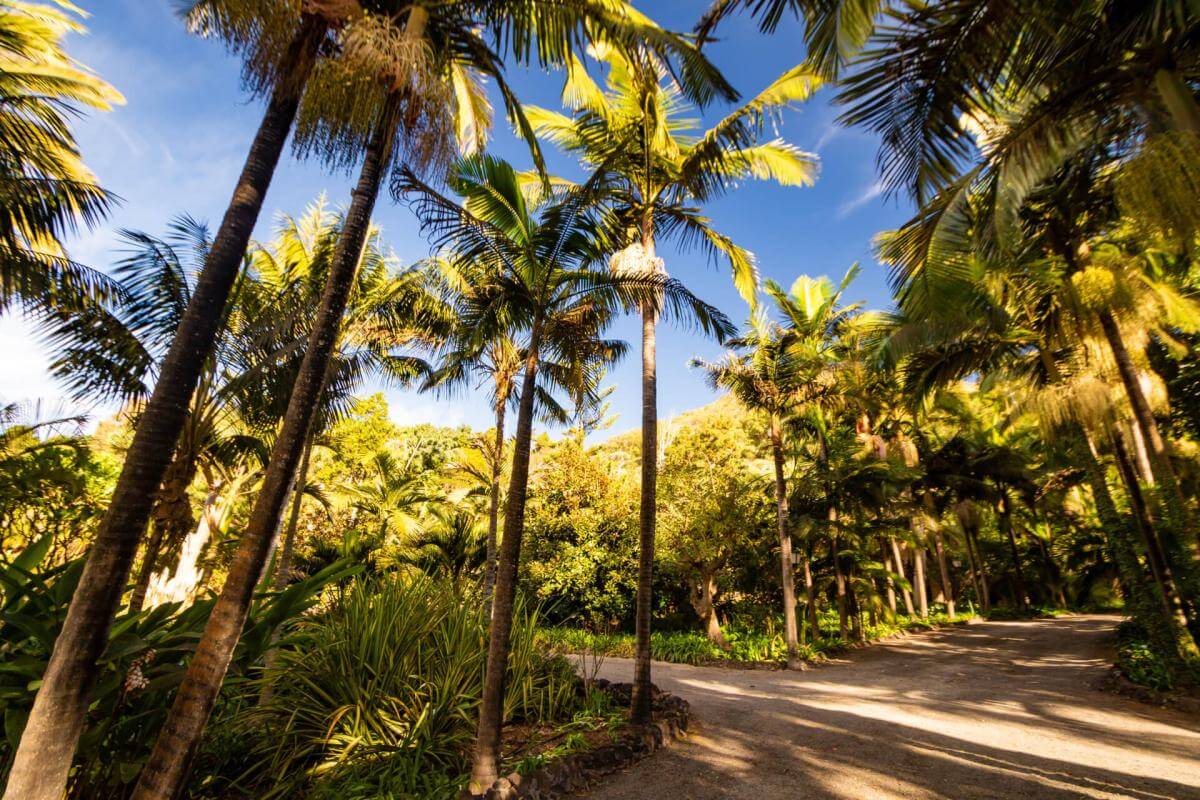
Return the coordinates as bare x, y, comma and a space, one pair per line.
546, 770
747, 649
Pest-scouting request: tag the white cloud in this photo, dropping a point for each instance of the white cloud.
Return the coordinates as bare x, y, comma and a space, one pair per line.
872, 192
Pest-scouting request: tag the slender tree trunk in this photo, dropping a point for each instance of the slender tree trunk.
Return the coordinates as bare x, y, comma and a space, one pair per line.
976, 583
168, 765
940, 550
918, 571
1160, 460
1160, 568
787, 572
703, 599
493, 536
1004, 512
1167, 638
905, 593
640, 711
1144, 472
810, 594
43, 758
1179, 100
283, 568
984, 580
835, 548
890, 583
486, 766
944, 571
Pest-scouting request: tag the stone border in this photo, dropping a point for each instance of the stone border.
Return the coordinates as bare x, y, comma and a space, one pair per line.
1116, 682
578, 771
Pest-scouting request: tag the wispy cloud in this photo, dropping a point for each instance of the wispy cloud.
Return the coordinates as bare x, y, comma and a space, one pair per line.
872, 192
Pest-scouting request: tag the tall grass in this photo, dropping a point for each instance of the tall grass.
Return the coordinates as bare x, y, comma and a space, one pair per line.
378, 697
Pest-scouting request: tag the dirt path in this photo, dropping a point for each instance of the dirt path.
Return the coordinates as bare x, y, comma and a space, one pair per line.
997, 710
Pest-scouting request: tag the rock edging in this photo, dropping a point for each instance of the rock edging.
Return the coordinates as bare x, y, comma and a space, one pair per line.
575, 772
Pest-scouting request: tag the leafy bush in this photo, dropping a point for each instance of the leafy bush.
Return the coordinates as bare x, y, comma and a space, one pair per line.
1138, 661
144, 662
378, 697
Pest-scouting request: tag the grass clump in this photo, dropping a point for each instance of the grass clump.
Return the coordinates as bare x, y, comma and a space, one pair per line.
378, 697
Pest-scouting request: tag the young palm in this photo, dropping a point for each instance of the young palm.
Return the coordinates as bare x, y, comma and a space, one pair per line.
653, 167
768, 376
47, 190
499, 362
112, 351
536, 284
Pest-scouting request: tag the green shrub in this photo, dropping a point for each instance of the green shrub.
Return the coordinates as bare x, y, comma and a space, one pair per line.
379, 696
144, 662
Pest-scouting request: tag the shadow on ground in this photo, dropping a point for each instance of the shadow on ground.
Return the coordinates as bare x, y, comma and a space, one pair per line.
994, 710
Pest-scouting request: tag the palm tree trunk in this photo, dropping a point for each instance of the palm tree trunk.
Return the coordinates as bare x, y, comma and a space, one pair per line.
640, 711
1004, 512
283, 568
919, 581
984, 580
1179, 100
835, 548
1174, 503
1160, 569
1144, 472
1167, 638
944, 572
166, 770
787, 571
940, 550
486, 765
890, 583
905, 593
493, 536
810, 595
43, 758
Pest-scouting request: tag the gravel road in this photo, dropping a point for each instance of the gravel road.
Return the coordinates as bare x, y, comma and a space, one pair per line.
990, 710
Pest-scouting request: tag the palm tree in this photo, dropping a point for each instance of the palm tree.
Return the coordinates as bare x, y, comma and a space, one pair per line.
43, 758
536, 284
653, 167
112, 351
499, 362
769, 376
47, 189
450, 544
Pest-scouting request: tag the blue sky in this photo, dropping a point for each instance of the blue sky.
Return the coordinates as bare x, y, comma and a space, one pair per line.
179, 141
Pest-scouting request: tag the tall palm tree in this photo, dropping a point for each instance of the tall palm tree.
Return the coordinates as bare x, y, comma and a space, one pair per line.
280, 65
653, 166
769, 376
499, 362
47, 190
537, 283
